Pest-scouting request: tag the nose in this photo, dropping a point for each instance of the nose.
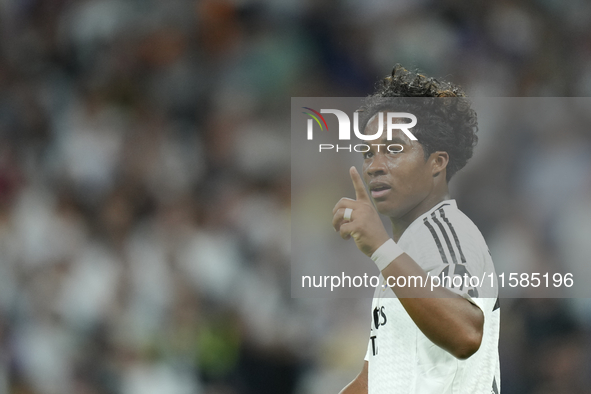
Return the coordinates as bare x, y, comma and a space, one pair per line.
377, 166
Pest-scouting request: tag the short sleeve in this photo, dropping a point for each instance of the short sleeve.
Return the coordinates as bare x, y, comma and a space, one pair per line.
366, 358
457, 254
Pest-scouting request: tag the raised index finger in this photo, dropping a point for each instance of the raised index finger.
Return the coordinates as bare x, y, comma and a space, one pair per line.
360, 192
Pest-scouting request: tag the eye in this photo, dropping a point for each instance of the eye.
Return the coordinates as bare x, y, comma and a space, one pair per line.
367, 155
395, 149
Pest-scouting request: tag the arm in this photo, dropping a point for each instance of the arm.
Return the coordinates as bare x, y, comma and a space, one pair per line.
448, 320
359, 384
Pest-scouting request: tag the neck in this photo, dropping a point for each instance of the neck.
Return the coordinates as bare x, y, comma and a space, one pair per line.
399, 225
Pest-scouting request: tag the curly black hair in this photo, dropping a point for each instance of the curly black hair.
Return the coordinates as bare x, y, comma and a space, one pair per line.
446, 120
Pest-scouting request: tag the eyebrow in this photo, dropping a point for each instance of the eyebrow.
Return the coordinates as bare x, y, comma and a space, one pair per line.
394, 140
397, 140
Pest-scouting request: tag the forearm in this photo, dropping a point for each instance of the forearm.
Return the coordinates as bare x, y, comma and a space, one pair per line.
448, 320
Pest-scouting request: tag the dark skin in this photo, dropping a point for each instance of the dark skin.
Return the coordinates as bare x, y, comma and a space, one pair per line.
403, 186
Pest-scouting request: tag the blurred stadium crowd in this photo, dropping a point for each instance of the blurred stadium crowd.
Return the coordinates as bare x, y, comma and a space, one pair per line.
145, 186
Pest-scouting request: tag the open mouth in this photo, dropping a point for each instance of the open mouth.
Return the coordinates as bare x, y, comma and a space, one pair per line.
380, 191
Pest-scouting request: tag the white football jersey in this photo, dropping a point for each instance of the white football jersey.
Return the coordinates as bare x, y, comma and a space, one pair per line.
444, 242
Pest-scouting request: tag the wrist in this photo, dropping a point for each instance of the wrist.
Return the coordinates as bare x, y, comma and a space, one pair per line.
386, 253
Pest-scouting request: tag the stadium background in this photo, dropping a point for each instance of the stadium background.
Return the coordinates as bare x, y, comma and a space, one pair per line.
145, 186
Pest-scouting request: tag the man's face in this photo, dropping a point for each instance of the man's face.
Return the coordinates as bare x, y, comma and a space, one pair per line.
398, 182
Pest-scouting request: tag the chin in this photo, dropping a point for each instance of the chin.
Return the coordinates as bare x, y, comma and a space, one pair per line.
385, 209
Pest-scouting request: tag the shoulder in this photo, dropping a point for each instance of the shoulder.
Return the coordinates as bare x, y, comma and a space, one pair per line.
457, 223
445, 235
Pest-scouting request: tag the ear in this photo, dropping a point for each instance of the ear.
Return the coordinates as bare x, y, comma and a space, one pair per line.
439, 162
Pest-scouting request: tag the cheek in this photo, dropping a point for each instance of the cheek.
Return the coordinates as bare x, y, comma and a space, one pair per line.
364, 175
416, 179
